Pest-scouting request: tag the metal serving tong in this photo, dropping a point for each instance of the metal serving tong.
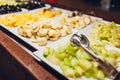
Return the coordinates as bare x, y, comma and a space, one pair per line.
82, 41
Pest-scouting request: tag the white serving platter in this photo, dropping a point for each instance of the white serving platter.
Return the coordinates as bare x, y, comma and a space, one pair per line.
39, 52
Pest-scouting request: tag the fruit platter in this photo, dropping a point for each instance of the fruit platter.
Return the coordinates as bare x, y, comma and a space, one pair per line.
49, 29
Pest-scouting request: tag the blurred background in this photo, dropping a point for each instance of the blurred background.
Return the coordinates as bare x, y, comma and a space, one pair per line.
106, 4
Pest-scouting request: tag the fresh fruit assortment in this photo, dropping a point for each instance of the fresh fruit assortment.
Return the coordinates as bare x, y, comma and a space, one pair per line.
9, 9
106, 34
14, 20
48, 12
9, 6
75, 62
76, 20
44, 30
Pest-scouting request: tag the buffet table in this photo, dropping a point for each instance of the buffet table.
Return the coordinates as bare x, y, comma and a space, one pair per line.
17, 64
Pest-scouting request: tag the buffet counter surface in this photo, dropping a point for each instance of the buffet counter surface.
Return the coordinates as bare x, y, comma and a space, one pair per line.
17, 64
